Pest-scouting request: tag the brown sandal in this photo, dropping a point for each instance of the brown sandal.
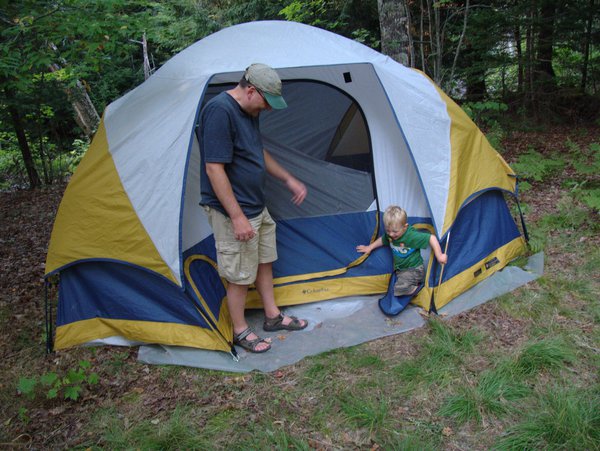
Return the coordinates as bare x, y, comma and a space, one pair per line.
272, 324
241, 340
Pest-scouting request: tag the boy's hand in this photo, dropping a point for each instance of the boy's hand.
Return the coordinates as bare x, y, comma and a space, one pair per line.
363, 249
443, 259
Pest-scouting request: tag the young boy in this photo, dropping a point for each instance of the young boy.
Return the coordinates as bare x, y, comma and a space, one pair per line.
406, 243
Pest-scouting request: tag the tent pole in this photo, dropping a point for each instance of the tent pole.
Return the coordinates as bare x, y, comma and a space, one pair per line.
48, 314
437, 289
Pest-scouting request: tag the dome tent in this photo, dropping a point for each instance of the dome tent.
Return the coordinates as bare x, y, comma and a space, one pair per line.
134, 249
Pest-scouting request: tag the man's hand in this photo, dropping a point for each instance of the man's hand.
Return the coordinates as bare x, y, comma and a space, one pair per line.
242, 229
298, 190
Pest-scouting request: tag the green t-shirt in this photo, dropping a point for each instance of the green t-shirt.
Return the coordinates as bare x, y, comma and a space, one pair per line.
406, 249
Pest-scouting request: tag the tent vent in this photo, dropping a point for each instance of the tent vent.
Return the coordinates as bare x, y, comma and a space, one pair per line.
476, 273
347, 77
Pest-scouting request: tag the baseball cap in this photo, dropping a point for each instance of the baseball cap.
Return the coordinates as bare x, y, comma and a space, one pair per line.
265, 79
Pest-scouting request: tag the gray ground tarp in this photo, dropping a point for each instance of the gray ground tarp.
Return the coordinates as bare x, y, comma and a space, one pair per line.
335, 324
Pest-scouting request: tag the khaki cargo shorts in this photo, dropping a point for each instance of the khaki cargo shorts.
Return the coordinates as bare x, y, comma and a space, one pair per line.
238, 261
407, 280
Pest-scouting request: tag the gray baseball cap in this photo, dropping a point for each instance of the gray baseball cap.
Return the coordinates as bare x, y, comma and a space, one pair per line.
266, 80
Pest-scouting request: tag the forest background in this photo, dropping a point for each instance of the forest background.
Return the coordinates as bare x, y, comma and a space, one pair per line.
520, 372
62, 62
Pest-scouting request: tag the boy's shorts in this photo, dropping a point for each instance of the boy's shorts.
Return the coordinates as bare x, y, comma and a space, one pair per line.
407, 280
238, 261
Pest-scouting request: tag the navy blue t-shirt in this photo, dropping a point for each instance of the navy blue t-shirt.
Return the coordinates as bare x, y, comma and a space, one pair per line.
229, 135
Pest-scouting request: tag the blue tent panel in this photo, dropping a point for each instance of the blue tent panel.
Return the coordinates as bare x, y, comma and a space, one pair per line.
100, 289
482, 226
392, 305
325, 243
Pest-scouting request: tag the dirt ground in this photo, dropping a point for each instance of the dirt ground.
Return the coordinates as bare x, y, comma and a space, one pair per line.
26, 220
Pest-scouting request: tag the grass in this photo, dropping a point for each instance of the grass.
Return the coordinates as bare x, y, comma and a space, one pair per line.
179, 431
370, 413
444, 351
563, 418
492, 395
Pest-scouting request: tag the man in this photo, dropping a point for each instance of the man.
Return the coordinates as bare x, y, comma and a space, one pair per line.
233, 172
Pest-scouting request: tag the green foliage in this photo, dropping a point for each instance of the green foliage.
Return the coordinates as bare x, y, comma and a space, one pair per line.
532, 165
26, 387
570, 216
52, 385
366, 37
354, 19
12, 170
488, 116
585, 186
23, 415
485, 113
80, 147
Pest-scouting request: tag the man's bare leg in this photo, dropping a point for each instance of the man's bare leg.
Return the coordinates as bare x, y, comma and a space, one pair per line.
236, 302
264, 285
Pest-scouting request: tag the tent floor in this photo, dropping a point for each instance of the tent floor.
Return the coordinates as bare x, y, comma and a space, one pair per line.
336, 324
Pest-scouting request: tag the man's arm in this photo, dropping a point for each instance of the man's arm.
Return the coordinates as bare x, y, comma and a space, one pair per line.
293, 184
221, 185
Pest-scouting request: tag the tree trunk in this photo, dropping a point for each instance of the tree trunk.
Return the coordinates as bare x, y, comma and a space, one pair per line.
145, 55
476, 88
529, 58
34, 178
545, 76
86, 115
586, 45
393, 22
519, 49
438, 50
422, 38
460, 40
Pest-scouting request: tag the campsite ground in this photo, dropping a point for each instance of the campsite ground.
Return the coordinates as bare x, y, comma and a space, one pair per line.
518, 372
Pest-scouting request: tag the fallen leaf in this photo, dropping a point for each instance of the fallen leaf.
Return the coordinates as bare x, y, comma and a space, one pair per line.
447, 431
57, 410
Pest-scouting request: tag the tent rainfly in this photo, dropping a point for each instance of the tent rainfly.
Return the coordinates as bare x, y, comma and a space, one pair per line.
133, 247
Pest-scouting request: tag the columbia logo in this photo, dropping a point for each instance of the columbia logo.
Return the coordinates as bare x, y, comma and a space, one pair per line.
315, 290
